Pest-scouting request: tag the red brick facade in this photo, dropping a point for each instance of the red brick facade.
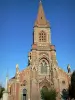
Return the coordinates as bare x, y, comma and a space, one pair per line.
43, 69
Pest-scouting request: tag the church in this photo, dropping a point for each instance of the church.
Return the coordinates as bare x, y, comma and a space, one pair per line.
42, 70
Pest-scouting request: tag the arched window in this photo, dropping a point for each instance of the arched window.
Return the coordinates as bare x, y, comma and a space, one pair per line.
24, 94
42, 37
43, 66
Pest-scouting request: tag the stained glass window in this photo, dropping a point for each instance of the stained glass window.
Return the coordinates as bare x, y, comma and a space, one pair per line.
43, 67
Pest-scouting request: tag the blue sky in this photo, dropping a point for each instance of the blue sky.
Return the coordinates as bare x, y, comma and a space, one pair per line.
16, 28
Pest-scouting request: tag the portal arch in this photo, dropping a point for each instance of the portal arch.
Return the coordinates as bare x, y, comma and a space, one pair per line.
45, 88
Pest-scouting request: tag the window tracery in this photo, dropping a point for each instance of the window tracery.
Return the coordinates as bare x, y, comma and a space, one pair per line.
43, 66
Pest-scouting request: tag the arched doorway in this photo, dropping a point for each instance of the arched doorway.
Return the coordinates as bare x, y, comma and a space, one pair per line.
24, 94
44, 88
43, 91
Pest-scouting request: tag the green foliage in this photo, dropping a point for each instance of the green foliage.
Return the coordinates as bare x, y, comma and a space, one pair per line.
64, 94
72, 86
48, 94
1, 91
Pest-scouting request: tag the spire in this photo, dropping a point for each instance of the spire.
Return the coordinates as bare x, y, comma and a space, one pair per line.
17, 69
41, 19
69, 68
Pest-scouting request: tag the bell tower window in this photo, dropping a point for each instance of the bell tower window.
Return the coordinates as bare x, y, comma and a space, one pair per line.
42, 36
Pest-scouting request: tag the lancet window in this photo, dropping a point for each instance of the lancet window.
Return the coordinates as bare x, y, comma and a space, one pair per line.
24, 94
43, 66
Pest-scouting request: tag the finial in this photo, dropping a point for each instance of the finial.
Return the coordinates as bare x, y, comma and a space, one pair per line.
17, 68
69, 68
6, 82
16, 65
7, 75
17, 72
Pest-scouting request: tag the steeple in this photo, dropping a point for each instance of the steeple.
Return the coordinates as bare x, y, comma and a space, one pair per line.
41, 19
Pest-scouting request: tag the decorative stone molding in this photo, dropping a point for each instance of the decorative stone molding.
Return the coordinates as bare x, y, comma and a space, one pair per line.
24, 83
44, 82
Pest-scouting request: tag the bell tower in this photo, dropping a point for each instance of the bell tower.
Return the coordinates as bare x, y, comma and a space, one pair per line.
42, 58
42, 33
42, 47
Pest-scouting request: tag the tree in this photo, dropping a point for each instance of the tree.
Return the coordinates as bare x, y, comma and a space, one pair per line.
1, 91
72, 86
64, 94
48, 94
